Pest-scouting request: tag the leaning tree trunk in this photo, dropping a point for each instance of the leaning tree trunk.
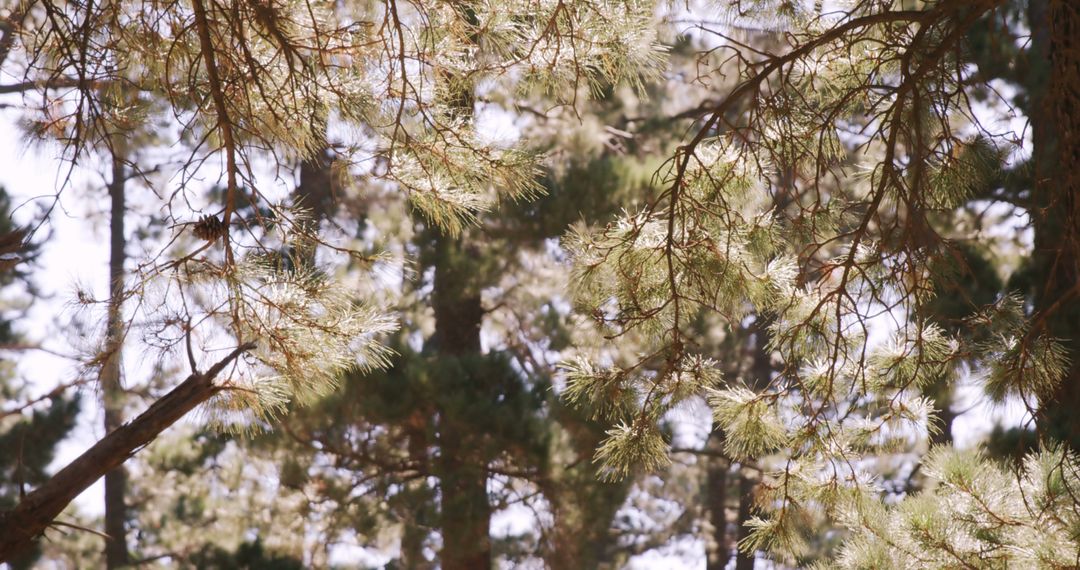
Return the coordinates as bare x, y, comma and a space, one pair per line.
1054, 88
22, 525
112, 393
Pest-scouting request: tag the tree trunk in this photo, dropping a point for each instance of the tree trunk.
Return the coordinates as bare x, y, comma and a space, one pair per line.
1054, 88
20, 526
716, 484
466, 514
745, 560
112, 392
582, 509
317, 189
465, 511
943, 392
759, 373
412, 547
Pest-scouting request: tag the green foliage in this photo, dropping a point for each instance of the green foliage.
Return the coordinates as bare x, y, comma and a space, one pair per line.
814, 197
312, 331
602, 392
248, 556
751, 426
397, 83
977, 514
630, 445
809, 208
28, 443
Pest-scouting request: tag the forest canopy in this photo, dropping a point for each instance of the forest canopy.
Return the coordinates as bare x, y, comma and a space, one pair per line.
542, 283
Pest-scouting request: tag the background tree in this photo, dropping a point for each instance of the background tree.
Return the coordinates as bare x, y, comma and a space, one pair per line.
31, 426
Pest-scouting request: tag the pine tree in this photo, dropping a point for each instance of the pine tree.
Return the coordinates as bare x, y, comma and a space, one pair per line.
816, 199
252, 73
844, 248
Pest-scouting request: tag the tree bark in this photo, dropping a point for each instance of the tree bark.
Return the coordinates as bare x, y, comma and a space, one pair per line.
462, 462
465, 511
582, 505
745, 560
760, 372
112, 392
716, 484
1054, 88
20, 526
317, 190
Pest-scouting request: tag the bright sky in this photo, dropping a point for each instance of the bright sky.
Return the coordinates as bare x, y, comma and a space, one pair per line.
75, 253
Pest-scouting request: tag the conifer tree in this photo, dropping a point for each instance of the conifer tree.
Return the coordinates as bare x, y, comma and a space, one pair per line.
231, 83
845, 249
815, 199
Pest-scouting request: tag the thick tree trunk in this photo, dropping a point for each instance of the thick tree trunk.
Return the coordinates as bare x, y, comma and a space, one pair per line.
112, 392
317, 190
466, 513
760, 372
745, 560
1054, 88
716, 485
20, 526
412, 547
316, 193
582, 505
942, 393
946, 416
465, 510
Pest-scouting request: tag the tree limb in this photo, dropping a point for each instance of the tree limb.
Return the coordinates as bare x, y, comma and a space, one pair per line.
21, 525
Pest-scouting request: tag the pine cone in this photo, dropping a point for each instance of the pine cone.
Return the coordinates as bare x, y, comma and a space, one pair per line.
209, 228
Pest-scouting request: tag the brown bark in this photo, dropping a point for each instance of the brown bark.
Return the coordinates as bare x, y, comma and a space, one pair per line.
760, 372
946, 417
1054, 89
20, 526
412, 547
745, 560
112, 392
583, 508
465, 511
318, 190
716, 483
462, 463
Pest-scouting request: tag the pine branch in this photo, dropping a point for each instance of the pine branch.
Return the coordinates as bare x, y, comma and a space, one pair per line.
224, 122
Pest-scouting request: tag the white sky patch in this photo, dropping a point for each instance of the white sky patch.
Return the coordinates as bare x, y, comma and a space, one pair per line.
496, 126
514, 520
683, 552
75, 253
978, 414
